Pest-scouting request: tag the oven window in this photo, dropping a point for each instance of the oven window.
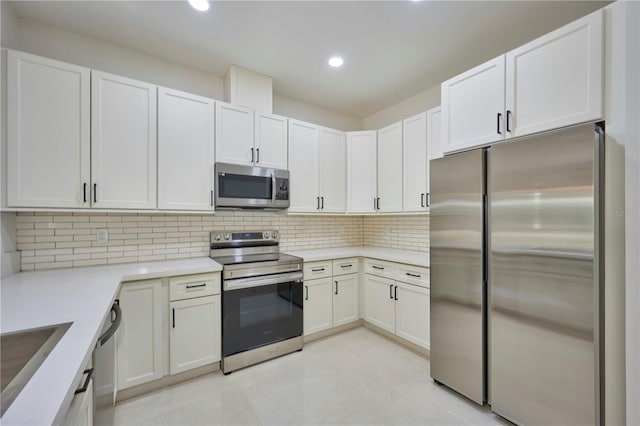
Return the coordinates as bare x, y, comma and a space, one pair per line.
243, 186
258, 316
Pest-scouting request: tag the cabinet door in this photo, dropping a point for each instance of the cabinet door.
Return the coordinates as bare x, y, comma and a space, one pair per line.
473, 106
48, 152
194, 339
318, 311
332, 171
81, 410
185, 151
271, 141
434, 133
234, 134
412, 313
379, 306
142, 337
389, 167
303, 167
123, 142
415, 173
556, 80
346, 298
361, 172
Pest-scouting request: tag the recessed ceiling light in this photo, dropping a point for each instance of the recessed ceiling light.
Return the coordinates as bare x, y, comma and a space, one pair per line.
336, 61
201, 5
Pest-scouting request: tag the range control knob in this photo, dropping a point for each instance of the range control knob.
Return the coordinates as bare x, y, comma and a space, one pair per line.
217, 237
265, 235
274, 235
227, 236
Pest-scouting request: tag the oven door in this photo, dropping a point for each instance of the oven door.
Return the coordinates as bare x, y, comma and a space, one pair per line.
244, 186
259, 311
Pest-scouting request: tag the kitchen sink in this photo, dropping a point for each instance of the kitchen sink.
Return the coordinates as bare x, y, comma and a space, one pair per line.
22, 352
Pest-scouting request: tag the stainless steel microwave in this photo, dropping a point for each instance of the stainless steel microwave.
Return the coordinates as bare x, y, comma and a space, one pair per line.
239, 186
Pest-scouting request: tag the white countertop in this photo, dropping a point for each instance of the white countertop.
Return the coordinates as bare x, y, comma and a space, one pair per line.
417, 258
79, 295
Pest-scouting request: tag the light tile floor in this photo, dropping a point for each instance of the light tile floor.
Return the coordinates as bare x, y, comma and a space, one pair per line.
353, 378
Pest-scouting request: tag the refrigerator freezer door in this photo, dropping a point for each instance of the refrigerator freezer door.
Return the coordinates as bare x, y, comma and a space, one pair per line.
543, 288
457, 276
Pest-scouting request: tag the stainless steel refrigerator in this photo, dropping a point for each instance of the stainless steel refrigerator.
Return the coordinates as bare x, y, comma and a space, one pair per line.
516, 276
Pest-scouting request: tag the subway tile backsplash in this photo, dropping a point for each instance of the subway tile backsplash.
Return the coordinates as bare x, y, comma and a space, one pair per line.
60, 240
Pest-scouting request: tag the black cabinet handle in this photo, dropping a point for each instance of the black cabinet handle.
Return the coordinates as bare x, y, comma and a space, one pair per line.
374, 203
252, 156
197, 285
428, 198
84, 192
317, 270
378, 203
498, 124
422, 199
413, 275
318, 200
95, 192
211, 197
322, 205
85, 386
257, 155
336, 287
396, 293
346, 266
508, 121
391, 291
173, 316
306, 297
377, 267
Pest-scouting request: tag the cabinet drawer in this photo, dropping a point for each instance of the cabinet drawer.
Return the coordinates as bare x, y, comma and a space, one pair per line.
189, 286
380, 268
314, 270
413, 275
345, 266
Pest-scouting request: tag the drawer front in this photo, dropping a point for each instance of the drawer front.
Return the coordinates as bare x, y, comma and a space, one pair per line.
380, 268
313, 270
189, 286
345, 266
416, 275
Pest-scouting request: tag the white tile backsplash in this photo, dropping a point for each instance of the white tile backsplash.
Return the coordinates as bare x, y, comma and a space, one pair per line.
59, 240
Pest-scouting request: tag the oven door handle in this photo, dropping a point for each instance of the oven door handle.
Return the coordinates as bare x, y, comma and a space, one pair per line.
241, 283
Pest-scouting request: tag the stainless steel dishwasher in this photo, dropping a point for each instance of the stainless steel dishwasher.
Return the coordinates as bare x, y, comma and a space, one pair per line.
104, 357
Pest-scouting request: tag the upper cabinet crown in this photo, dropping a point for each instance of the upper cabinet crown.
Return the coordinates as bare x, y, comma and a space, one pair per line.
48, 164
247, 137
551, 82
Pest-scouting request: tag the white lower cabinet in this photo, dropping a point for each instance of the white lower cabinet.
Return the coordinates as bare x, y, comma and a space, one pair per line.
331, 294
395, 306
141, 342
195, 333
81, 410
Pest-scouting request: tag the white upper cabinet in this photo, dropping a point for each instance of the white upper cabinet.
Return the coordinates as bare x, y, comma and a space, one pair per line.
473, 107
389, 166
270, 141
48, 107
234, 134
556, 80
415, 171
361, 172
123, 142
185, 151
332, 170
434, 133
303, 167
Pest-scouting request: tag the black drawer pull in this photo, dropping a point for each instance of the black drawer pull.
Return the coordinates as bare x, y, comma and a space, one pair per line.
377, 267
413, 275
85, 386
317, 270
346, 266
196, 285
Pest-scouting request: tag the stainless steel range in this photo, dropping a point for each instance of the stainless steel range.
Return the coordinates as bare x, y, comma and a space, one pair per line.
262, 298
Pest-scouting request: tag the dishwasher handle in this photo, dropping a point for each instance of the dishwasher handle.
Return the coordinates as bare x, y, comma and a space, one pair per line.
115, 323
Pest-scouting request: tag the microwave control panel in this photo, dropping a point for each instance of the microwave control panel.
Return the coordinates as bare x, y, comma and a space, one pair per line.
282, 189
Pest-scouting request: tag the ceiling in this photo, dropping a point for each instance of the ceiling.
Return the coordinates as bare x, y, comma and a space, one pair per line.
392, 49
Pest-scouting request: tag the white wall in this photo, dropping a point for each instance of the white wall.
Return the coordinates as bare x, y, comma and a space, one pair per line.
294, 108
418, 103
